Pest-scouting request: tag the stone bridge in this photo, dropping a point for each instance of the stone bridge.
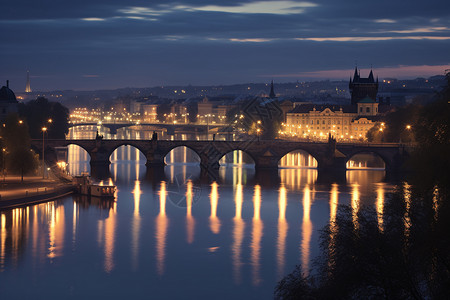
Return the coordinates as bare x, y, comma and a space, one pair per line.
330, 156
171, 128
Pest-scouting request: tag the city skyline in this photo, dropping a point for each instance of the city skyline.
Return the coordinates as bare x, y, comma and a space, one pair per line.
105, 45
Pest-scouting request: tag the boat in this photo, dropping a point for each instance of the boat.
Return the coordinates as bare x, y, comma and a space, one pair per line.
85, 186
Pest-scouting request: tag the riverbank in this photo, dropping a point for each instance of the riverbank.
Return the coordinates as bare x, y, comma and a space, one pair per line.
15, 192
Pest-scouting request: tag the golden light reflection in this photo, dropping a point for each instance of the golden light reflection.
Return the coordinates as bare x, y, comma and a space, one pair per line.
380, 206
136, 224
436, 203
407, 217
257, 233
162, 224
238, 233
108, 227
334, 202
355, 205
282, 231
56, 230
3, 234
190, 221
307, 228
294, 179
214, 222
74, 223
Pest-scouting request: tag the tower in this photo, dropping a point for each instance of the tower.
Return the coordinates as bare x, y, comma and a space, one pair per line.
272, 93
28, 87
362, 88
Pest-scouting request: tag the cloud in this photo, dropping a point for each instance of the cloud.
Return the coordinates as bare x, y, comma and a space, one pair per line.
390, 21
400, 71
372, 38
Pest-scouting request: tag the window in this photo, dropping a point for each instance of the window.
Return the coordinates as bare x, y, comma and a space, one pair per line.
360, 109
329, 122
323, 121
367, 109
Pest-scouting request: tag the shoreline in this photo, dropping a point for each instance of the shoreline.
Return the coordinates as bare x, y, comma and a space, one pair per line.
32, 190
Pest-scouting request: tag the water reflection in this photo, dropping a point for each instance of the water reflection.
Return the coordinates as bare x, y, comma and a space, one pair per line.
407, 217
162, 224
136, 226
2, 241
238, 233
355, 205
334, 201
106, 238
214, 222
380, 206
190, 221
307, 228
282, 231
295, 179
257, 233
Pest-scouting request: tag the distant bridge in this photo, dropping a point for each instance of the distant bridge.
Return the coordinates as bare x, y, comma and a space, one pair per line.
170, 127
331, 157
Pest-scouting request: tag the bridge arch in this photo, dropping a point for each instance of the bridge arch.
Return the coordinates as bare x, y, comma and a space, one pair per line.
367, 160
139, 155
298, 157
78, 159
181, 154
244, 153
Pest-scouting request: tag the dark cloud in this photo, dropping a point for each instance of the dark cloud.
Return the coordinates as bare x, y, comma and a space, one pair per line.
142, 43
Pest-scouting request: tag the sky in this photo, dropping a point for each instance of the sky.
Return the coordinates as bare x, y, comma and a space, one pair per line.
108, 44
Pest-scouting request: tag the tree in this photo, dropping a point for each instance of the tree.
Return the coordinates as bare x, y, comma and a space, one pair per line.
43, 113
19, 158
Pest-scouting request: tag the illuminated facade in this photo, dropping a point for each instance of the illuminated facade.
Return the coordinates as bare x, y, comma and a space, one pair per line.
344, 122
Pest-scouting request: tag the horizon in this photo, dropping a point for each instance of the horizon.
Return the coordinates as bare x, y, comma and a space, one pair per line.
389, 75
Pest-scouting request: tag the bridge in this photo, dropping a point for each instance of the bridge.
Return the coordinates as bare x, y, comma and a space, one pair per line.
331, 156
170, 127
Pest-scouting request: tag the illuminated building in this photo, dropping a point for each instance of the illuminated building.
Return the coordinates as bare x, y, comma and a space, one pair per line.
344, 122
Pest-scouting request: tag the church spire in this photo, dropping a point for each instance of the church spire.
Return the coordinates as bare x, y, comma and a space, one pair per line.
28, 87
272, 93
355, 76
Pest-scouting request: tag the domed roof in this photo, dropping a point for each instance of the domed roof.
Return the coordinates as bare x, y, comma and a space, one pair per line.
7, 95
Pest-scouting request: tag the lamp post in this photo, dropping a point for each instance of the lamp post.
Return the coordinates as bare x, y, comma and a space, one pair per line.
3, 165
44, 129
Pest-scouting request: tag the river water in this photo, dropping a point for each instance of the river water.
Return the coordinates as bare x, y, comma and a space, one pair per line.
172, 235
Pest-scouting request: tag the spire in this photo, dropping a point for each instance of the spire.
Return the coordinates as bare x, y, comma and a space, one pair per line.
272, 93
371, 76
355, 76
28, 87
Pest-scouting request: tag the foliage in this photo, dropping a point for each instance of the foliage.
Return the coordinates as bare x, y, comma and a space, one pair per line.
395, 125
38, 113
19, 159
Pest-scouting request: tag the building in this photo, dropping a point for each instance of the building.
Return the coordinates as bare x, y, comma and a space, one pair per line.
149, 113
8, 101
344, 122
361, 88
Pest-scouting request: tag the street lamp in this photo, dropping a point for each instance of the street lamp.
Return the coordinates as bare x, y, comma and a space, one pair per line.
44, 129
3, 156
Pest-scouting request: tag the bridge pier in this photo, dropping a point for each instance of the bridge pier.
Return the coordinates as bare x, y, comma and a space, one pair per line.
332, 170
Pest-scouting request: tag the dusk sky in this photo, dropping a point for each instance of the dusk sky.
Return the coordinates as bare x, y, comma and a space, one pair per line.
107, 44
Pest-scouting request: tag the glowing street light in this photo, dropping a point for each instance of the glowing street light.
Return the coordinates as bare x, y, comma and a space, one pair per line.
44, 129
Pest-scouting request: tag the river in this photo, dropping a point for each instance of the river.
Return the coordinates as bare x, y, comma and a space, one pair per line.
173, 235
